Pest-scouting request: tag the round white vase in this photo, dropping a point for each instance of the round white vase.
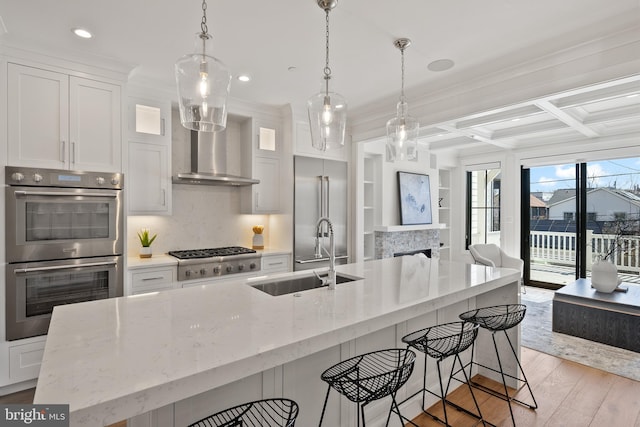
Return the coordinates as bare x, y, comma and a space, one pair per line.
604, 276
145, 252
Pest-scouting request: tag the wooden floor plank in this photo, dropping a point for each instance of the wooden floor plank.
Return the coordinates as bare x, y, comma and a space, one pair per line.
621, 406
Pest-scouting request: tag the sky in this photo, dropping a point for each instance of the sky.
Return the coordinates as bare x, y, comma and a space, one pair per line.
621, 173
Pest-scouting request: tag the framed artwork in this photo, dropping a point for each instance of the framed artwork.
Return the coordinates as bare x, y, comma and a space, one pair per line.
415, 198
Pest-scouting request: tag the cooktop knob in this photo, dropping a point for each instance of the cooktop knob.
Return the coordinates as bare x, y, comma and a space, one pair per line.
100, 180
252, 265
37, 177
203, 271
115, 180
241, 267
17, 176
216, 270
229, 269
187, 273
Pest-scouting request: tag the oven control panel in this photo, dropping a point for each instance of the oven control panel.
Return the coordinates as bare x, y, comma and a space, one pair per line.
206, 269
36, 177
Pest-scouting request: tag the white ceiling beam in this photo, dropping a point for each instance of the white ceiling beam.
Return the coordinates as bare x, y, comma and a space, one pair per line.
567, 119
599, 95
501, 116
530, 129
614, 114
477, 136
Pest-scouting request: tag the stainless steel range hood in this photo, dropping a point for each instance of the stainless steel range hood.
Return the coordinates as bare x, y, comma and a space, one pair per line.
209, 162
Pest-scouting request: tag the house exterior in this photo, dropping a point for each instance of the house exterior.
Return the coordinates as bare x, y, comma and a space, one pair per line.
603, 204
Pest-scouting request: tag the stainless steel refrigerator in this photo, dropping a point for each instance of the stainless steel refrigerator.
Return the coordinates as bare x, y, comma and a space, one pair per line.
320, 189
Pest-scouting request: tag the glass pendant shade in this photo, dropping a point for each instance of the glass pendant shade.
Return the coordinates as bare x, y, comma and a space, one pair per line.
402, 135
328, 120
203, 88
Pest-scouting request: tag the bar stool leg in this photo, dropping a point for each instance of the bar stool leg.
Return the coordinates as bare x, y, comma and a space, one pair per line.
526, 381
473, 396
324, 407
504, 381
443, 395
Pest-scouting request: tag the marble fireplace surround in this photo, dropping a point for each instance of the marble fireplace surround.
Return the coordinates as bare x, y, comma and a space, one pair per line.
391, 240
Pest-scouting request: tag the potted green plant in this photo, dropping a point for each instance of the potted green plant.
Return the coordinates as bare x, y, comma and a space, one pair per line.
146, 240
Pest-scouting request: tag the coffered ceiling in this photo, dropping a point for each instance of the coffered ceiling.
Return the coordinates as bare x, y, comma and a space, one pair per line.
600, 112
280, 44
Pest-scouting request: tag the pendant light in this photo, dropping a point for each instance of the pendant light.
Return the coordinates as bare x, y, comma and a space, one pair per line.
402, 130
203, 85
327, 110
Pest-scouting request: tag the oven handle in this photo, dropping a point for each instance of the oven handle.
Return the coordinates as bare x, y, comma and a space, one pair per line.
62, 267
61, 193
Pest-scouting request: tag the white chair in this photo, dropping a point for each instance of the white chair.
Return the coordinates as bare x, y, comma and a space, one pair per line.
491, 255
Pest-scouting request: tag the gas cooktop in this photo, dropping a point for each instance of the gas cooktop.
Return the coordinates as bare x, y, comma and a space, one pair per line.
214, 262
211, 252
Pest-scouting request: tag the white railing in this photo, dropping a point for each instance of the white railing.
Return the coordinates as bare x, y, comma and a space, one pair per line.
559, 248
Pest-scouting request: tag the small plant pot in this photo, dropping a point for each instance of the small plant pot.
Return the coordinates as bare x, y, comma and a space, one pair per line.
145, 252
258, 241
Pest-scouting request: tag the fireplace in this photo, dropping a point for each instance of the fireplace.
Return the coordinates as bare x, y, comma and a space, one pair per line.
426, 252
390, 243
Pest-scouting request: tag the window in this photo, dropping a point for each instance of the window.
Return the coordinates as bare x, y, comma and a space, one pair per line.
483, 206
618, 216
592, 216
568, 216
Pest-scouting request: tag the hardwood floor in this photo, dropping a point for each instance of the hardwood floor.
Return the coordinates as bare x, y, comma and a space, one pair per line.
568, 395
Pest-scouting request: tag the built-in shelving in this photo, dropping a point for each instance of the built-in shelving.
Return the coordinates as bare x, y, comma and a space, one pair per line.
444, 211
372, 201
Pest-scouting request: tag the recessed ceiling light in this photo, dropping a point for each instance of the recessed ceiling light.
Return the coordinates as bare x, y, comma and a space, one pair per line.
82, 33
244, 78
441, 65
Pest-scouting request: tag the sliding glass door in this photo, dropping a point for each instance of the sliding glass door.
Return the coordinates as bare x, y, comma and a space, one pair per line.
574, 213
553, 226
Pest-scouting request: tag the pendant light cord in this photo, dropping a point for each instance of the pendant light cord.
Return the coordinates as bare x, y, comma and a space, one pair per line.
402, 99
203, 24
204, 35
327, 70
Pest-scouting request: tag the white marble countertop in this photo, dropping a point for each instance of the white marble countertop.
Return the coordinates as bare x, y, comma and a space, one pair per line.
160, 260
116, 358
157, 260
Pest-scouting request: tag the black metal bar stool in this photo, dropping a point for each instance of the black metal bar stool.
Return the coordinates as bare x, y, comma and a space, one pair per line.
440, 342
495, 319
371, 376
260, 413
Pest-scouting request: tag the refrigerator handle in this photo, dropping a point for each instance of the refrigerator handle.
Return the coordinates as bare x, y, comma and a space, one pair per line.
326, 205
321, 204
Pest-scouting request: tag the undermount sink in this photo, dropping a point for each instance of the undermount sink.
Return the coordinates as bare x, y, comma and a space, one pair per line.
298, 284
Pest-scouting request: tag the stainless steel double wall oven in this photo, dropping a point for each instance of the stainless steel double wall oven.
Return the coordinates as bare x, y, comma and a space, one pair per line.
64, 243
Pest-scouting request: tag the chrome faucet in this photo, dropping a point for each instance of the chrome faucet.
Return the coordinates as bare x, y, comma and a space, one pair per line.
331, 279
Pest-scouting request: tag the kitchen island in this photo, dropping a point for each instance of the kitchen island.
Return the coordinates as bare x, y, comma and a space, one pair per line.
172, 357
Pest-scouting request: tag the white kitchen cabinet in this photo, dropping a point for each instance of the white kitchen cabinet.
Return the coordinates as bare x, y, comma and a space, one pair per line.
62, 122
25, 359
261, 160
276, 263
149, 157
149, 179
152, 279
